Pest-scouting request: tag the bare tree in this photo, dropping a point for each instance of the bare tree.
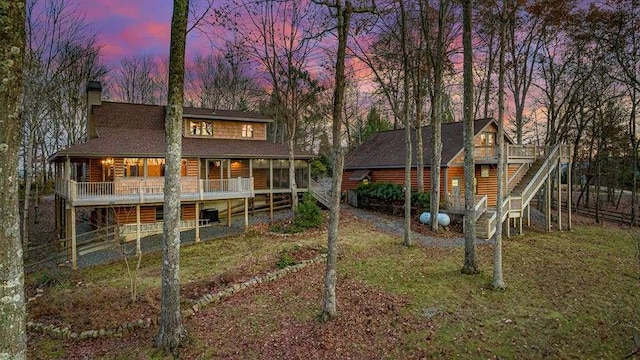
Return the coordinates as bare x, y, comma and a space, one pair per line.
407, 125
137, 80
342, 13
498, 279
13, 339
171, 332
62, 53
470, 256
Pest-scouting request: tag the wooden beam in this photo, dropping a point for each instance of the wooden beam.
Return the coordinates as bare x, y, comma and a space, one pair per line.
138, 248
229, 213
197, 229
547, 214
559, 196
569, 191
74, 245
246, 213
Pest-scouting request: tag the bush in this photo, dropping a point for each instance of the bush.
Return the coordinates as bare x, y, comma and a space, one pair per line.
308, 215
392, 192
421, 199
286, 259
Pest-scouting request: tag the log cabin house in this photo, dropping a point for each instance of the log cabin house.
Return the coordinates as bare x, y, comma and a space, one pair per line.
382, 159
228, 166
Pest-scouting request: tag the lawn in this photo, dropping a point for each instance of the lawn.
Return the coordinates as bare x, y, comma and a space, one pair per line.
569, 295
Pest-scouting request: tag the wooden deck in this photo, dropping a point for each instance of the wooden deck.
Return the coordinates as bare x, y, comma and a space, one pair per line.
127, 191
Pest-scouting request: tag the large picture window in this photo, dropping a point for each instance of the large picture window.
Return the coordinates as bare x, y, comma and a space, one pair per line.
155, 167
200, 128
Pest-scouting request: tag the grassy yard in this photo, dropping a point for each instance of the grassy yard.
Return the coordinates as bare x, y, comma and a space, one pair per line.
569, 295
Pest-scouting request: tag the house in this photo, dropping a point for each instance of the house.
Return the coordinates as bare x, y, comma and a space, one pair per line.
382, 159
228, 165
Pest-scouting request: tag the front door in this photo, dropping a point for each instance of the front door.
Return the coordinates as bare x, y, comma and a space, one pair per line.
457, 201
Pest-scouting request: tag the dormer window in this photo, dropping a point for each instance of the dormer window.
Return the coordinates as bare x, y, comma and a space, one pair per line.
487, 139
200, 128
247, 131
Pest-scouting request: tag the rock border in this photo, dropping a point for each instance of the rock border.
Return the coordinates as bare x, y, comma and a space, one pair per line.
127, 328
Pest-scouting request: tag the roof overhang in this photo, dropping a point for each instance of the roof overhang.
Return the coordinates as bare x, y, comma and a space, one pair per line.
359, 175
227, 118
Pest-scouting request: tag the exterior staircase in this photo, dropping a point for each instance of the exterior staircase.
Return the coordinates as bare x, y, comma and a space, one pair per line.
521, 189
321, 193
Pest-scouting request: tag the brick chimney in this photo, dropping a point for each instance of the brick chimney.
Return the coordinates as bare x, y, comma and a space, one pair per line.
94, 97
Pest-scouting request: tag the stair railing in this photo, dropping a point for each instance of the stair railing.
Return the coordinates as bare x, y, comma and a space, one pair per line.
536, 182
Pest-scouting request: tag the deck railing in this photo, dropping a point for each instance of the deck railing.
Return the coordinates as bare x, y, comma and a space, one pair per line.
141, 189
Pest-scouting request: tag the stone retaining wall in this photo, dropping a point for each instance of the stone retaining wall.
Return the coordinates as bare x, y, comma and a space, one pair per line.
129, 327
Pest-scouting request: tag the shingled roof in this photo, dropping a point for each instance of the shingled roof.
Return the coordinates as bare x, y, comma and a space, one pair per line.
387, 149
134, 130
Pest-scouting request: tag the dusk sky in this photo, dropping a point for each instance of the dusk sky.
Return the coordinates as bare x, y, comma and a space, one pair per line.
128, 28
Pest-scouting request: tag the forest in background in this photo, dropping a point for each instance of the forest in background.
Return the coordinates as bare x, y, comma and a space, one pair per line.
572, 75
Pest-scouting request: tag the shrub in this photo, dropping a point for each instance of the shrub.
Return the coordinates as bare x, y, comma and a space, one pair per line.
286, 259
421, 200
308, 215
392, 192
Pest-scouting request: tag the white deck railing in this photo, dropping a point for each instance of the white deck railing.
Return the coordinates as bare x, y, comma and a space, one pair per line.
140, 190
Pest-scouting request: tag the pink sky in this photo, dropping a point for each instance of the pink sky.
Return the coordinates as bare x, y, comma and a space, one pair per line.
128, 28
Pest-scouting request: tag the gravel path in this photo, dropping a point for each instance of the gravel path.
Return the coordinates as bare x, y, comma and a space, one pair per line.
394, 225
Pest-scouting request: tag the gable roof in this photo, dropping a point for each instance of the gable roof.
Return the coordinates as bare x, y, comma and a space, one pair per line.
387, 149
135, 130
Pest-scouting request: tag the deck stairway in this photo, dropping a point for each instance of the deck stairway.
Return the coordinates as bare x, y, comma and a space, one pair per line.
321, 193
522, 187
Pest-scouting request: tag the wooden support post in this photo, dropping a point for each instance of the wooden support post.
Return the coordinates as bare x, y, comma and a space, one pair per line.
520, 221
229, 213
569, 191
547, 214
74, 245
271, 189
197, 229
559, 196
246, 213
529, 214
138, 248
509, 219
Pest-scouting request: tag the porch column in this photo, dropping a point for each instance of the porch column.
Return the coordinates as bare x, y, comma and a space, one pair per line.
197, 235
250, 168
569, 191
271, 189
246, 213
67, 169
559, 196
229, 213
138, 250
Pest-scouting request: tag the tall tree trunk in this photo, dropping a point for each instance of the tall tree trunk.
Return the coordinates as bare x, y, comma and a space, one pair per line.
172, 333
498, 279
407, 130
13, 340
470, 257
329, 303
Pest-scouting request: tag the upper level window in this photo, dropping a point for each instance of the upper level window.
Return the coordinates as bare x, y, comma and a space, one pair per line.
200, 128
487, 139
247, 131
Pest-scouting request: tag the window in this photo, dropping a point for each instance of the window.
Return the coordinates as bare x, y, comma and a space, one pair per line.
200, 128
133, 167
155, 167
487, 139
183, 168
247, 131
484, 171
159, 213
